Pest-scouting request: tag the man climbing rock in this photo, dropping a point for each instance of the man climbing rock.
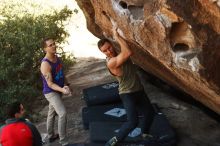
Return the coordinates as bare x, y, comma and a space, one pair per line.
130, 89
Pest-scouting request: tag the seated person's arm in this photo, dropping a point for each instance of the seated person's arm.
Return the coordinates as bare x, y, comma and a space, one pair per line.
0, 133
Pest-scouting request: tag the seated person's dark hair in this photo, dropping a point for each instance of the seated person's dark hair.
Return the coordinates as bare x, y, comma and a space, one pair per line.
102, 42
13, 108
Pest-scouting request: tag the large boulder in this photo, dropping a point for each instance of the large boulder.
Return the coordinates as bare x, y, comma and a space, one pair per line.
176, 40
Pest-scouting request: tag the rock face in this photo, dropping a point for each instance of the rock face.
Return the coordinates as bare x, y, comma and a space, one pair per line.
178, 41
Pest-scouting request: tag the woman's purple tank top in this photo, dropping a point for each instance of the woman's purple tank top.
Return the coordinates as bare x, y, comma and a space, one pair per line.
57, 75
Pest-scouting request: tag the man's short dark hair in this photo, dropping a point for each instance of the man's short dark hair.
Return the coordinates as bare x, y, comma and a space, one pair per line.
13, 108
43, 42
102, 42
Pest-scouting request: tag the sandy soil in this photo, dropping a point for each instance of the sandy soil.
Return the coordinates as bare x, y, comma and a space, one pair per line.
194, 124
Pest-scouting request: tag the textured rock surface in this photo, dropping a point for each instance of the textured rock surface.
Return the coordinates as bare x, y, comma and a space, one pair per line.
178, 41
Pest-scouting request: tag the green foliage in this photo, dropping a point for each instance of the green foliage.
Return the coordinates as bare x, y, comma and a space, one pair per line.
20, 40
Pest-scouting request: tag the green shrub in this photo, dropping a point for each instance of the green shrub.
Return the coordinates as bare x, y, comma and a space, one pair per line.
20, 39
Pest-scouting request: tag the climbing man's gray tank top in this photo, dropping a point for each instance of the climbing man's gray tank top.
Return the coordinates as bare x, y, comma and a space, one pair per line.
129, 81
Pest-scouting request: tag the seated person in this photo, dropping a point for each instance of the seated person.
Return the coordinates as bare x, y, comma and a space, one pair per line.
17, 131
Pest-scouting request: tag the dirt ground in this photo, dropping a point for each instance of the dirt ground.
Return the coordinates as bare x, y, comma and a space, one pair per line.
194, 124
